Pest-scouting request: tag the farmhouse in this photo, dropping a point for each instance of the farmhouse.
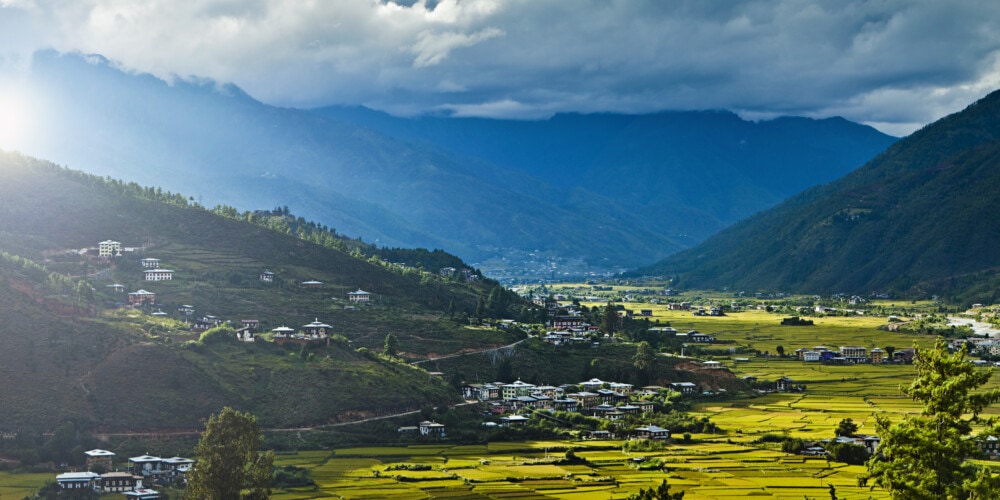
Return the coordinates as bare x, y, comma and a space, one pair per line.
77, 480
117, 287
854, 354
311, 284
316, 329
651, 432
266, 277
119, 482
359, 296
683, 387
150, 263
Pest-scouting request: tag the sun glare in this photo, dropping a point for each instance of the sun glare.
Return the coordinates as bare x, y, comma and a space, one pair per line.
15, 118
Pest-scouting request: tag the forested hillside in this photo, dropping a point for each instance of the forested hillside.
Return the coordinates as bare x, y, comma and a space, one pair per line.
72, 352
914, 221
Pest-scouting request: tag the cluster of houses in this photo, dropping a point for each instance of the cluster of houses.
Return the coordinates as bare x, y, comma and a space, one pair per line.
129, 482
853, 355
594, 397
316, 332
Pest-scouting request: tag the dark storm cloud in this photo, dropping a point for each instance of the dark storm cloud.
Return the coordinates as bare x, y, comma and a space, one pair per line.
896, 64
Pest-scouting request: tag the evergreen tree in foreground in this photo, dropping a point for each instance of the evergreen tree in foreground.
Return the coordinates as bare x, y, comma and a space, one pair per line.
927, 456
230, 465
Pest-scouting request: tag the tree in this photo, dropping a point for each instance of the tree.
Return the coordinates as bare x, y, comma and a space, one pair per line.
644, 358
781, 350
927, 456
230, 463
846, 427
661, 492
889, 350
391, 345
609, 319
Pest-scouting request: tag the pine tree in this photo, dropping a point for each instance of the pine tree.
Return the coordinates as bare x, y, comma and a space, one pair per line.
230, 463
927, 456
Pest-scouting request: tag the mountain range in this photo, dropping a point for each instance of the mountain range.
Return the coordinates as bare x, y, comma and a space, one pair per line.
916, 220
574, 193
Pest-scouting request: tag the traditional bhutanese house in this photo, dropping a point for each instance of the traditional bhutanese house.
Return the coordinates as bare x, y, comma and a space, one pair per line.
206, 323
513, 421
282, 333
311, 284
252, 324
141, 297
99, 458
316, 329
810, 356
77, 480
877, 355
711, 364
645, 406
147, 465
179, 465
600, 434
158, 274
566, 404
245, 334
150, 263
651, 432
567, 322
516, 389
784, 384
620, 387
592, 384
684, 387
266, 277
359, 296
119, 482
142, 494
186, 310
117, 288
629, 409
432, 429
586, 398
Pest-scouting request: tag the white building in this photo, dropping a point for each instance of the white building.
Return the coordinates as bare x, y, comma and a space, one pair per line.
109, 248
359, 296
158, 274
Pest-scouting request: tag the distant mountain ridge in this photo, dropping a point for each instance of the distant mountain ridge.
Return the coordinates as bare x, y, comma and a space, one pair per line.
608, 191
916, 220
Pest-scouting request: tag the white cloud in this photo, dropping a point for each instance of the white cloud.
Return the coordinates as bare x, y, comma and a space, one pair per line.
894, 63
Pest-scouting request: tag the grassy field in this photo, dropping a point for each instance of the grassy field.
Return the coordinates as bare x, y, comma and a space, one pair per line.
730, 464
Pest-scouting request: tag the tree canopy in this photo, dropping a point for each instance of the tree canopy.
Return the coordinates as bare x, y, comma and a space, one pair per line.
927, 456
230, 463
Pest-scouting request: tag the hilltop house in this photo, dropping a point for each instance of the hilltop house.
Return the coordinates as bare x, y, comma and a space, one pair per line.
359, 296
266, 277
150, 263
141, 297
109, 248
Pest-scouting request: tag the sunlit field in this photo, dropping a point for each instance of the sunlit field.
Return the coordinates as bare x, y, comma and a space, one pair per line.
732, 463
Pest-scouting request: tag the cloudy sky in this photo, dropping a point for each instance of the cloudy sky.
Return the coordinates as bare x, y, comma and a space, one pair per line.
893, 64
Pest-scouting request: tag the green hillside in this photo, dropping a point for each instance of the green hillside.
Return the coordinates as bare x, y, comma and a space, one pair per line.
914, 221
70, 353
